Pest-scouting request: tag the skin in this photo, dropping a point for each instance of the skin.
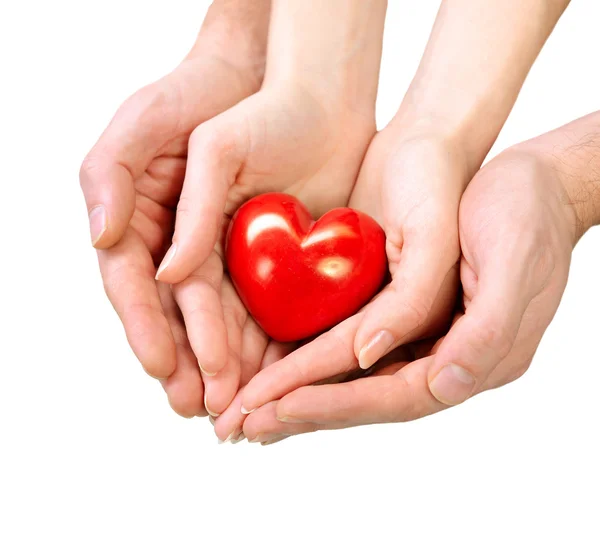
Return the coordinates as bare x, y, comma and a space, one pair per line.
520, 219
132, 181
414, 175
305, 133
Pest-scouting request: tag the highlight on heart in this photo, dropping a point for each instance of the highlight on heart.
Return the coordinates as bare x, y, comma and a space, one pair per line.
298, 277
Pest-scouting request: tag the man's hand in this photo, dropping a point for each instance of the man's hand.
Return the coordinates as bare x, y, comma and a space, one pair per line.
132, 181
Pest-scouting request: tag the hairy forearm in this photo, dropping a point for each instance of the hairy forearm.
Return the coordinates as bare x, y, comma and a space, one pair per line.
333, 47
475, 63
573, 151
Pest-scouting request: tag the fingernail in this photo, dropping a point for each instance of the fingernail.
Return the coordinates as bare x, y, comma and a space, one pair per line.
246, 411
167, 259
452, 385
229, 438
211, 420
375, 348
239, 439
98, 223
211, 374
268, 438
214, 415
275, 440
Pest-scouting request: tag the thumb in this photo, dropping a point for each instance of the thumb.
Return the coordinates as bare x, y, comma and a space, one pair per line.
410, 302
110, 198
216, 152
123, 152
480, 340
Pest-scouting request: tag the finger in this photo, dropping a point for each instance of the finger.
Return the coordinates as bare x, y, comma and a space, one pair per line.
328, 355
479, 341
229, 424
216, 153
199, 298
184, 387
120, 156
220, 389
254, 346
403, 310
262, 426
275, 352
398, 397
128, 275
256, 353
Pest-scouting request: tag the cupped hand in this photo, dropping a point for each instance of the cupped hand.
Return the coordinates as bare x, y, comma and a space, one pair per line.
286, 139
132, 181
517, 232
412, 185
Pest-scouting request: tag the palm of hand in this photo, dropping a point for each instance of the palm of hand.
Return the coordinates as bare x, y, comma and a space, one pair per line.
290, 143
413, 187
514, 217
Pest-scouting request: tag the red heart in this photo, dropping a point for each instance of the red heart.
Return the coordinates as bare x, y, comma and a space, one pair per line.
298, 277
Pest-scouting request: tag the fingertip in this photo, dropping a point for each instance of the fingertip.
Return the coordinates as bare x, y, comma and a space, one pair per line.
166, 261
159, 360
110, 198
452, 384
376, 347
98, 218
213, 362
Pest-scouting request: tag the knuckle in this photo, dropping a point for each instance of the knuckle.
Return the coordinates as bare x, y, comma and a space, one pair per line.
153, 99
89, 170
491, 336
206, 139
518, 371
184, 206
415, 310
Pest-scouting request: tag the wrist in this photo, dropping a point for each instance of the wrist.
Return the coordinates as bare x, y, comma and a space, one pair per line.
236, 32
473, 67
572, 152
331, 49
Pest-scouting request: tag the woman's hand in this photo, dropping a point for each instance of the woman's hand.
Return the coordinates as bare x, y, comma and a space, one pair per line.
132, 181
519, 221
304, 133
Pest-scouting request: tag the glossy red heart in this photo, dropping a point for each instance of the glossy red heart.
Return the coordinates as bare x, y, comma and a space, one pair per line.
298, 277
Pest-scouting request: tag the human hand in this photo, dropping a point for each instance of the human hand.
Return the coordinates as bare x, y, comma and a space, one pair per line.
519, 220
132, 181
414, 174
300, 134
413, 187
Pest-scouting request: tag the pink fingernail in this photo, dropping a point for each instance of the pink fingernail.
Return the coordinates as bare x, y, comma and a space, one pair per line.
246, 411
98, 223
214, 415
210, 374
452, 385
375, 348
167, 259
275, 440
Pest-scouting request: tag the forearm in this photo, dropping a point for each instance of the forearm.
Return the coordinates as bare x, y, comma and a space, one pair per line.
237, 32
333, 48
573, 151
475, 63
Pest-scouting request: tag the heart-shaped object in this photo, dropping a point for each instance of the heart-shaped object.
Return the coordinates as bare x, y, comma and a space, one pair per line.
298, 277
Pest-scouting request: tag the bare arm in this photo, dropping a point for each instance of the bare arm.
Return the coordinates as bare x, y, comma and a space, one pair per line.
475, 63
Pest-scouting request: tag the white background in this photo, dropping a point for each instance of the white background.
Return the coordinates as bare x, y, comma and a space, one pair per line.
92, 460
